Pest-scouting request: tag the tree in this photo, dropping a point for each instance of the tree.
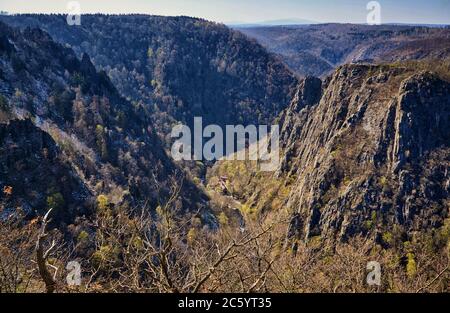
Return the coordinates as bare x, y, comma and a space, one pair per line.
102, 144
42, 256
4, 106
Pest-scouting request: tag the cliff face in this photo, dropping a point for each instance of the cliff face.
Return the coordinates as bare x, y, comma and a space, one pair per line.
373, 153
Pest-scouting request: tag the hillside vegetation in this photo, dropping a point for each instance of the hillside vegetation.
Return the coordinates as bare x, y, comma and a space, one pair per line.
85, 113
319, 49
179, 67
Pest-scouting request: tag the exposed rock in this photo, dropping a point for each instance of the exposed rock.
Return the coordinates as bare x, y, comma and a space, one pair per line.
373, 153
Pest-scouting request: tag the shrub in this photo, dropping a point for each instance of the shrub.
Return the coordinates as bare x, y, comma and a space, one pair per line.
102, 203
138, 243
150, 52
383, 181
83, 236
55, 202
388, 238
106, 254
248, 210
411, 266
368, 225
223, 219
192, 235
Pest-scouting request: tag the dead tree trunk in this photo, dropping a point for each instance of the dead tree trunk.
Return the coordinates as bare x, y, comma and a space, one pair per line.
41, 256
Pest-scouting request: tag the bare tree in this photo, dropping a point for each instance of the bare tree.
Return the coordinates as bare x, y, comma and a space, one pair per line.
42, 256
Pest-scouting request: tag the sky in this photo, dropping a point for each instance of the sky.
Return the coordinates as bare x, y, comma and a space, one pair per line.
253, 11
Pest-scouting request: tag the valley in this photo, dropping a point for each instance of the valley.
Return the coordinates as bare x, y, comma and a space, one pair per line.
86, 116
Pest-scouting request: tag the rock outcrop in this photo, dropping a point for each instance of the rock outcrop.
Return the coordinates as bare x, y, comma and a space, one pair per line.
372, 155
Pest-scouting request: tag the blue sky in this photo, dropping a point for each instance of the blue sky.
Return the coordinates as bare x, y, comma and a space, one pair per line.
250, 11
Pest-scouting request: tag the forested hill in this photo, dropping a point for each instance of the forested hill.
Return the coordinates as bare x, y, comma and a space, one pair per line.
319, 49
100, 144
182, 66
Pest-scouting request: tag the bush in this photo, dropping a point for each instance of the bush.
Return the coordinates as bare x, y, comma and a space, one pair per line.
83, 236
102, 203
105, 255
56, 202
248, 210
223, 219
411, 266
388, 238
192, 235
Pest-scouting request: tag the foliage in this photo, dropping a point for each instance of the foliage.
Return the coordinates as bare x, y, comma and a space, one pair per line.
102, 203
411, 265
192, 235
56, 202
238, 78
83, 236
223, 219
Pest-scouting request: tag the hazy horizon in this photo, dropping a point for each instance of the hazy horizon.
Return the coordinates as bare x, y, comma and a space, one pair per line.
253, 11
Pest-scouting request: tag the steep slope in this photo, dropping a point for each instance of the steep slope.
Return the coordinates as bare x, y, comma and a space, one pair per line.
373, 153
109, 142
366, 151
182, 67
35, 176
319, 49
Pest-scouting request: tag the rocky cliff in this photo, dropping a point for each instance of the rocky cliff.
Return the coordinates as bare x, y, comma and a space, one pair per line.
364, 152
371, 155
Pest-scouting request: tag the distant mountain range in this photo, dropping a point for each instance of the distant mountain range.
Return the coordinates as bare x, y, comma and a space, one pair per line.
280, 22
301, 22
